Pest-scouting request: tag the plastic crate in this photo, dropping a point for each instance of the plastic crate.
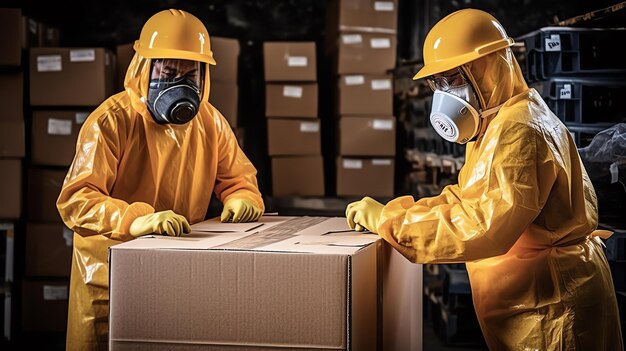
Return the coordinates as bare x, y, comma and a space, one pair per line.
583, 134
585, 101
567, 51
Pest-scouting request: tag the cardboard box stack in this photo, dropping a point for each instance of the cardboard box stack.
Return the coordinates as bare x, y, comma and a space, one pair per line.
65, 85
12, 152
362, 44
293, 126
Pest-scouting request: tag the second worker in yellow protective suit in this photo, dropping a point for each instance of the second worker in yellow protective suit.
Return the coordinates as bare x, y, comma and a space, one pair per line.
524, 212
147, 161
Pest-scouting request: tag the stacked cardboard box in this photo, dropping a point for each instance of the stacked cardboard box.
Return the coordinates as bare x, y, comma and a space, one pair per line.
65, 85
293, 126
363, 49
12, 152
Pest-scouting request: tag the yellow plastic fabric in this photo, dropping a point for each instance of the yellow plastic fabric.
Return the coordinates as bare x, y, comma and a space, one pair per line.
126, 166
475, 33
522, 216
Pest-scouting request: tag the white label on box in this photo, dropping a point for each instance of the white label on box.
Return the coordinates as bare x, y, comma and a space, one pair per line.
382, 124
51, 292
309, 127
49, 63
352, 164
383, 5
381, 84
83, 55
381, 162
32, 26
354, 80
68, 236
59, 126
553, 43
292, 91
566, 92
351, 38
81, 117
297, 61
614, 170
380, 43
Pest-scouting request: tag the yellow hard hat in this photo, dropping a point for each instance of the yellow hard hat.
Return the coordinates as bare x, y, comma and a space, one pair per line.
175, 34
459, 38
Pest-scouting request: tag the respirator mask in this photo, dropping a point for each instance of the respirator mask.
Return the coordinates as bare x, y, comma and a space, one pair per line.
175, 90
456, 114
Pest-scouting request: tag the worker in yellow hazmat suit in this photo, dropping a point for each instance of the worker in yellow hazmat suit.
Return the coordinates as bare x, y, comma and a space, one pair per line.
523, 214
147, 161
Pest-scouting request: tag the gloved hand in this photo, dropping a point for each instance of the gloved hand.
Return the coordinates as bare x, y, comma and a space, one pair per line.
164, 222
240, 210
364, 214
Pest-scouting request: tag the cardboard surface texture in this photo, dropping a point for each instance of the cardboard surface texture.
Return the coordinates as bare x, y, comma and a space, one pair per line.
361, 53
11, 43
365, 95
226, 55
289, 61
291, 100
363, 15
282, 283
298, 176
11, 188
293, 137
358, 176
11, 96
71, 76
225, 97
54, 135
48, 250
367, 136
44, 187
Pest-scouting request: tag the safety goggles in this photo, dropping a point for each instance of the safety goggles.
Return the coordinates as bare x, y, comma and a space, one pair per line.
447, 80
166, 71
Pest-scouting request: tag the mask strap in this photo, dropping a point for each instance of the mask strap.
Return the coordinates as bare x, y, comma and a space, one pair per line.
490, 111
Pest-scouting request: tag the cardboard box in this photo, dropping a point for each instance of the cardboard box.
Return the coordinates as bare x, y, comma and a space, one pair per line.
290, 61
226, 55
291, 100
298, 176
11, 45
367, 136
70, 77
123, 55
44, 187
12, 96
11, 188
282, 283
365, 177
54, 135
365, 95
44, 305
293, 137
12, 139
359, 53
48, 250
363, 15
225, 97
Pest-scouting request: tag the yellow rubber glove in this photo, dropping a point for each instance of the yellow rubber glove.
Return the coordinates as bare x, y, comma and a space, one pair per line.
164, 222
240, 210
364, 214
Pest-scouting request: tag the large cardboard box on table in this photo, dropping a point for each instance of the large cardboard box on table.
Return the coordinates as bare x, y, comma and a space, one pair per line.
297, 283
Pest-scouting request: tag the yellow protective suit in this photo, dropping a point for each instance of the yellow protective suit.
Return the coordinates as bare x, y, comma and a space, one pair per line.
522, 216
126, 165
